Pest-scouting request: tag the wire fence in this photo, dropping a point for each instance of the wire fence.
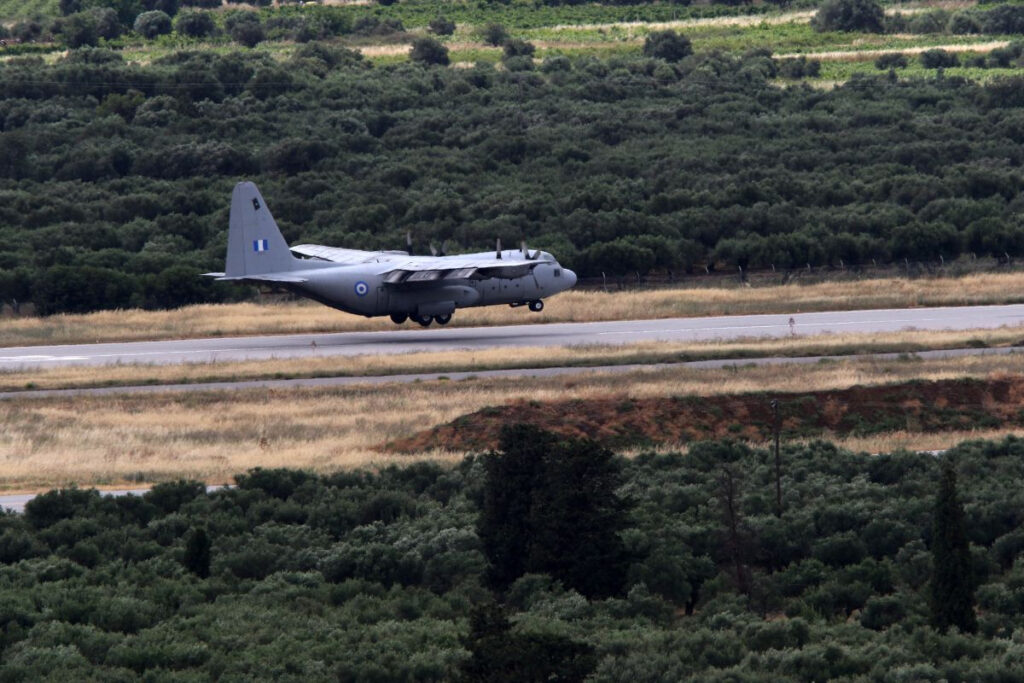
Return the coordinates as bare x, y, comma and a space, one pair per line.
701, 276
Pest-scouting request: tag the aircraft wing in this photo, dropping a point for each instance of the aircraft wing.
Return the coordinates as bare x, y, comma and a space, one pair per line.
398, 267
337, 254
424, 270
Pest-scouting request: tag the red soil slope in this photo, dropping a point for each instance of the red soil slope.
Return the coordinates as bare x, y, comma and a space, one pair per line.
621, 421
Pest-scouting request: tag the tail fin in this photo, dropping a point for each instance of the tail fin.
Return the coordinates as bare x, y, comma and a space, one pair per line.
255, 243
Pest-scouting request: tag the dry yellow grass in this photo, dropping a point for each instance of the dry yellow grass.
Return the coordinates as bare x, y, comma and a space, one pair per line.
800, 17
578, 306
865, 55
885, 442
70, 377
213, 435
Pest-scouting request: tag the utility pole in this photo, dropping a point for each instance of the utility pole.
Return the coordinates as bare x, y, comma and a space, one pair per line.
776, 426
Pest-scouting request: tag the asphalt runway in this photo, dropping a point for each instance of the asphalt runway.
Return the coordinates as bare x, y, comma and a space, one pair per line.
406, 339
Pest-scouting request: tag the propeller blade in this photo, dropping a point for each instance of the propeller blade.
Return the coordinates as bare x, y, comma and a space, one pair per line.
433, 249
498, 246
408, 241
444, 248
522, 248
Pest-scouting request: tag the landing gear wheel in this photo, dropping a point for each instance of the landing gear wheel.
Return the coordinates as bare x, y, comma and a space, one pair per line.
537, 306
443, 319
423, 320
399, 318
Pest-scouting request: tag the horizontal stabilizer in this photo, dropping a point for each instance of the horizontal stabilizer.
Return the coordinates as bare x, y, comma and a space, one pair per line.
264, 277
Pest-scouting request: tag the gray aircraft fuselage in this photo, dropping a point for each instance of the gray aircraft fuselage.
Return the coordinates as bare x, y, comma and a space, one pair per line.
357, 289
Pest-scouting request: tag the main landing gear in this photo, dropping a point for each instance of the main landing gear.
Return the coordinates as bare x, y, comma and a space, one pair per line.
423, 320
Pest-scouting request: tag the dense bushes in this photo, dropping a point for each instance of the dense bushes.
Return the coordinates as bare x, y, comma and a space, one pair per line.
361, 575
618, 167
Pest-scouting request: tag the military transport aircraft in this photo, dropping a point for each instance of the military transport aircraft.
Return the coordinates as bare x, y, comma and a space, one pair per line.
424, 289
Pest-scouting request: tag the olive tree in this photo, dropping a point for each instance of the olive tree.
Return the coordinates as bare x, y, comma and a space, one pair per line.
850, 15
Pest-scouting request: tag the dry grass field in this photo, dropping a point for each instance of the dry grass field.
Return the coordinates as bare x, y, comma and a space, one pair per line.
140, 439
910, 341
579, 306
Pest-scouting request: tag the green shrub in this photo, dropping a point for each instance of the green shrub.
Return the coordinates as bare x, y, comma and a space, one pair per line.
667, 45
195, 24
891, 60
939, 59
495, 34
849, 15
441, 26
428, 51
152, 24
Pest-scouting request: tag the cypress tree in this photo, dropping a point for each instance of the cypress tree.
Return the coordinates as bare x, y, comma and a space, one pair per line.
197, 553
501, 654
576, 518
512, 475
550, 507
952, 584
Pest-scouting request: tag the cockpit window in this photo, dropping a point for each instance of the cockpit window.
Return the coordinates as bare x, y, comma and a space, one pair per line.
558, 272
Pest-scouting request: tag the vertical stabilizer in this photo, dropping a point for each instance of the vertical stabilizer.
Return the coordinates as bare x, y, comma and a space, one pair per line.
255, 243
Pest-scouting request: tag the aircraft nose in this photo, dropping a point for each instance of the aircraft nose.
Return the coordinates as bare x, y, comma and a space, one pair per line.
570, 278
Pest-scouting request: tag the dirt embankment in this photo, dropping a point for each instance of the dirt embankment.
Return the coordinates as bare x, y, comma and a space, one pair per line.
621, 421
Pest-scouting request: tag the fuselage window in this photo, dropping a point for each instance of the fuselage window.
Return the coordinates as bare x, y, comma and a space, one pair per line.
558, 272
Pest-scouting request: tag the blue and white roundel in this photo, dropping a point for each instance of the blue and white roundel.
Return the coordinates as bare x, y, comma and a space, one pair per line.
362, 288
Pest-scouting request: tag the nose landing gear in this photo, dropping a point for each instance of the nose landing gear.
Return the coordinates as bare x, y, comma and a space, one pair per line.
536, 306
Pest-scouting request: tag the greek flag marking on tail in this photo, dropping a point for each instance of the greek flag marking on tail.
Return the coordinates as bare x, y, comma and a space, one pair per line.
260, 245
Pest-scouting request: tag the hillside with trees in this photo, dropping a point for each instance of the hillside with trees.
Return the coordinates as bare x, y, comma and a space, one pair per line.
115, 177
899, 566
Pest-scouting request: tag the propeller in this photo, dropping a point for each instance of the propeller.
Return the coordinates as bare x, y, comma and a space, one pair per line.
408, 242
526, 252
498, 255
443, 251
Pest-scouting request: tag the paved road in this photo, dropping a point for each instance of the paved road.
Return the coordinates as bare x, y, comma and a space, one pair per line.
16, 501
406, 340
477, 374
